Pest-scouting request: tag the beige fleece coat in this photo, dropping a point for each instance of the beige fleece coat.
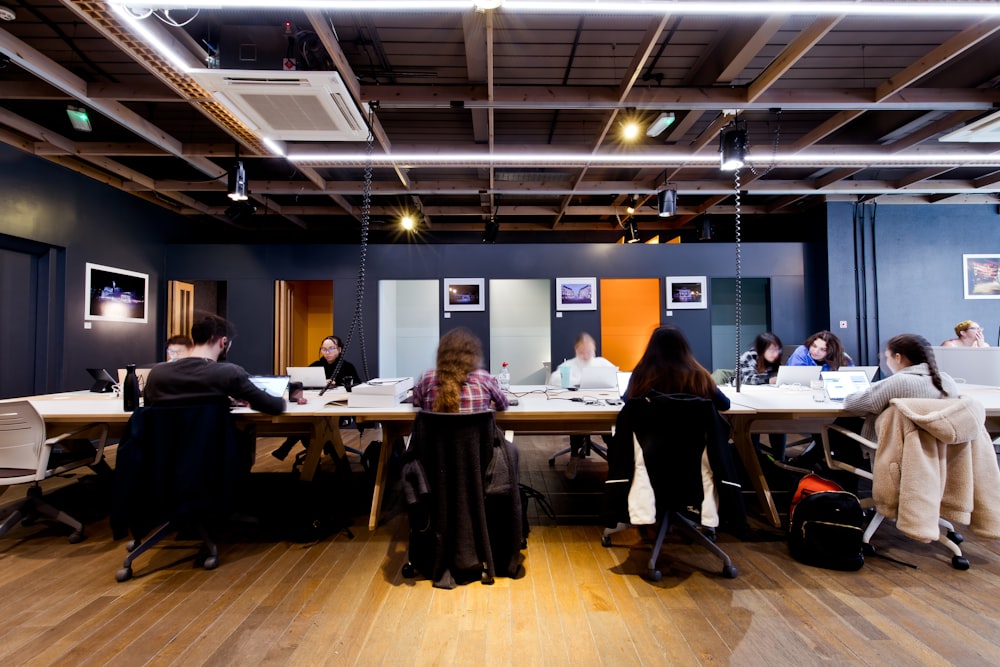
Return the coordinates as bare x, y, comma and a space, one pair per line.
935, 458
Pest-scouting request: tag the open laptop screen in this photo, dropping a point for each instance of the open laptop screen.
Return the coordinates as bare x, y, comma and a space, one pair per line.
275, 385
599, 377
311, 377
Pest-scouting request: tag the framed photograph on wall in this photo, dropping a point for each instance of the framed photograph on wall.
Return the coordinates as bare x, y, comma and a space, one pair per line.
982, 279
464, 294
116, 295
576, 293
687, 292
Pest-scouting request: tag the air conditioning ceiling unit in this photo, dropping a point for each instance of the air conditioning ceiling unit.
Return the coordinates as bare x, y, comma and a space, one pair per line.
287, 106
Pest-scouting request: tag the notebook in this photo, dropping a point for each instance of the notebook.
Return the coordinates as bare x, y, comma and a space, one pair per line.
275, 385
838, 384
800, 375
311, 377
599, 377
973, 365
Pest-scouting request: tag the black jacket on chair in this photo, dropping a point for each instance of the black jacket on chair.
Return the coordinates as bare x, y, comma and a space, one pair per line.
673, 430
177, 461
460, 530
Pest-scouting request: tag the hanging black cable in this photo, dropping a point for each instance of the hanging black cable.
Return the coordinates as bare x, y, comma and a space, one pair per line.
739, 284
357, 322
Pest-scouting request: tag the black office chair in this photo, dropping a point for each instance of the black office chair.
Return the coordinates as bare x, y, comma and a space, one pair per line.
461, 484
178, 467
672, 431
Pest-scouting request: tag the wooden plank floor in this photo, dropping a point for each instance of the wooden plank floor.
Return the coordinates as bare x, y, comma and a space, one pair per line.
342, 601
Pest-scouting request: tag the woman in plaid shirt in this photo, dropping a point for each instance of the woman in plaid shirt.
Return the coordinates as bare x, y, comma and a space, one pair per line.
459, 383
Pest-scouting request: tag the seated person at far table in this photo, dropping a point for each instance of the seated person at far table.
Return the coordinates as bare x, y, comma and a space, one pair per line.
824, 349
585, 350
969, 334
459, 383
178, 347
205, 374
759, 365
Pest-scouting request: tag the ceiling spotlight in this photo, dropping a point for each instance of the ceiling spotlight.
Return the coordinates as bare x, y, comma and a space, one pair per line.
631, 232
706, 229
630, 130
661, 123
666, 201
490, 230
633, 203
79, 119
733, 145
237, 190
6, 13
407, 222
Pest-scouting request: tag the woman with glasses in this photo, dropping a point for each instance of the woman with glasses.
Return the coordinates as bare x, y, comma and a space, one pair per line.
969, 333
329, 350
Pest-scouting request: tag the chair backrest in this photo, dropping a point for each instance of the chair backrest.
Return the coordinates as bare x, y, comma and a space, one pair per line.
451, 436
176, 460
22, 432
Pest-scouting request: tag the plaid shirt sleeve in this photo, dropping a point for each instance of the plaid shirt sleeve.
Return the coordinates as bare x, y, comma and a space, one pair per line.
748, 369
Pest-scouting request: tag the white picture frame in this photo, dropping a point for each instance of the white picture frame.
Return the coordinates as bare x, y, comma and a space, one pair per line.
981, 276
464, 294
576, 293
687, 292
115, 295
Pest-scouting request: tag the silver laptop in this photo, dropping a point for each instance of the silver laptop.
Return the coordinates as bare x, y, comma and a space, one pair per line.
870, 371
838, 384
971, 365
800, 375
275, 385
599, 377
623, 380
311, 377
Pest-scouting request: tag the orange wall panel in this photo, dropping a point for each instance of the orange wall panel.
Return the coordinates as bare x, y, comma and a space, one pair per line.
630, 310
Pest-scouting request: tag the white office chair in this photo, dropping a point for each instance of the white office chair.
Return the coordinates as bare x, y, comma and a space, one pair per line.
27, 457
948, 537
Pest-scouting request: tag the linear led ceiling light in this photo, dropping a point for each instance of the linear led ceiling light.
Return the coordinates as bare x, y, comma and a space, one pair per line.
653, 7
660, 124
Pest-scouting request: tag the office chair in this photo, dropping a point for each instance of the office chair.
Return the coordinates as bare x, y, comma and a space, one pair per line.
585, 448
461, 484
178, 467
655, 470
27, 457
898, 458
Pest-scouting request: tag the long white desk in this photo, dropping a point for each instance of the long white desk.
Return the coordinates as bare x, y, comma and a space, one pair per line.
780, 410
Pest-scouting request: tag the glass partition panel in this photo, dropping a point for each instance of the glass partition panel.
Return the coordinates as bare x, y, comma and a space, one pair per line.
409, 326
755, 317
520, 328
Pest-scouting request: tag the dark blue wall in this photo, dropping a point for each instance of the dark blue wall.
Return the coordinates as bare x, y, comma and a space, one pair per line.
909, 257
80, 221
250, 272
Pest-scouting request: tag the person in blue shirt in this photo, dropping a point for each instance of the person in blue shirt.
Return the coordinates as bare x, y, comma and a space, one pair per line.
824, 349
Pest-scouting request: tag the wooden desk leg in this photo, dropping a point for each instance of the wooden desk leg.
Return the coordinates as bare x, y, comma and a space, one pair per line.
744, 445
324, 429
390, 434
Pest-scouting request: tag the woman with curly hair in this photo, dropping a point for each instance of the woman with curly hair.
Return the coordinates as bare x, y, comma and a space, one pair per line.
823, 349
459, 383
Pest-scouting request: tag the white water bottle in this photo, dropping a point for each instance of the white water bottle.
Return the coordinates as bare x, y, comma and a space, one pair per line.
504, 377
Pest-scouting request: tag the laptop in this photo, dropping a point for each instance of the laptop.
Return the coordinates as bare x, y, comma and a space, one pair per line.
275, 385
103, 382
311, 377
838, 384
971, 365
870, 371
599, 377
623, 380
800, 375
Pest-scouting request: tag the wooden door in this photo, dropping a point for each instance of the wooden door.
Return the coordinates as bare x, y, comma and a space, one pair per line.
284, 307
180, 308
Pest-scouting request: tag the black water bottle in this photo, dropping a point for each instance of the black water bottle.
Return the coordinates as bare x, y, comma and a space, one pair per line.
130, 389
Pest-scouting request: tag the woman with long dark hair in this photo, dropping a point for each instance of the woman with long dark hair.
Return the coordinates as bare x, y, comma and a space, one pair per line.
824, 349
759, 364
669, 367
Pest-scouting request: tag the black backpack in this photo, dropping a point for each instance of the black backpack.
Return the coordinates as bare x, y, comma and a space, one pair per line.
825, 530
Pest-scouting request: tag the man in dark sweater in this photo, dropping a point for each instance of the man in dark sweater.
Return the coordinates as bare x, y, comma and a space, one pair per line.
205, 374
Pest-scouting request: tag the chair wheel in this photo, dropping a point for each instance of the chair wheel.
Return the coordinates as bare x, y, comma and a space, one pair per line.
131, 545
552, 463
123, 574
729, 571
408, 571
605, 540
960, 563
76, 537
655, 575
867, 549
211, 563
955, 537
